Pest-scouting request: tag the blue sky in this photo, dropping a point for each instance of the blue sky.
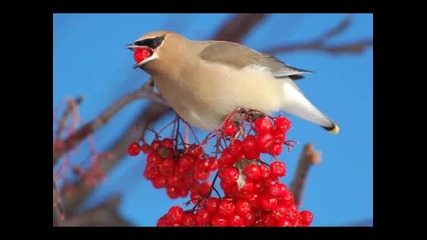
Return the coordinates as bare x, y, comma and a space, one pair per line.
90, 59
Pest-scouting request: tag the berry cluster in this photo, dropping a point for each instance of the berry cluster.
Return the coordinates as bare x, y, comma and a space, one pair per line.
180, 171
253, 194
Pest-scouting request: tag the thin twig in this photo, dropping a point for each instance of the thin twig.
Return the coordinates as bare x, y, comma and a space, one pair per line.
71, 107
308, 157
321, 44
238, 26
83, 132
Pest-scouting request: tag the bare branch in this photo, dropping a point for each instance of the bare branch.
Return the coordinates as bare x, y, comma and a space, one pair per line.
71, 107
238, 26
79, 135
308, 157
354, 47
320, 43
103, 215
339, 28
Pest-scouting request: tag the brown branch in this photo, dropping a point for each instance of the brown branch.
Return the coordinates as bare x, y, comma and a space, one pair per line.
71, 107
103, 215
320, 43
58, 209
79, 135
353, 47
308, 157
339, 28
118, 149
238, 26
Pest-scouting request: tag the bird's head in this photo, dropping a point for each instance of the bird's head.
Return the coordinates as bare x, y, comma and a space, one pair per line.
158, 44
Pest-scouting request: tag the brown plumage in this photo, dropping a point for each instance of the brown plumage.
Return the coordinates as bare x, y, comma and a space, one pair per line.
205, 80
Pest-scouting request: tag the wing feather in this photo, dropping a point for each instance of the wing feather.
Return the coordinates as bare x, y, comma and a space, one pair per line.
238, 56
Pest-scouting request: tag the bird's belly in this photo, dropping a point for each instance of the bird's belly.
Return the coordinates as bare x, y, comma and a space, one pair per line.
190, 106
219, 91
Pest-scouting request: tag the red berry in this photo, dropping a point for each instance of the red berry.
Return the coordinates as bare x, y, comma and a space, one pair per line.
212, 204
213, 164
288, 198
202, 175
195, 198
278, 135
159, 181
226, 158
141, 54
259, 187
205, 187
166, 168
306, 217
185, 162
265, 142
203, 217
229, 175
263, 125
253, 199
228, 187
219, 221
282, 124
200, 165
273, 190
268, 203
248, 187
226, 207
279, 212
252, 172
155, 144
243, 207
229, 128
250, 147
134, 149
278, 169
151, 172
189, 219
276, 149
196, 151
236, 148
249, 219
172, 192
265, 171
236, 221
163, 221
173, 180
268, 220
175, 214
145, 148
292, 213
283, 222
167, 143
153, 158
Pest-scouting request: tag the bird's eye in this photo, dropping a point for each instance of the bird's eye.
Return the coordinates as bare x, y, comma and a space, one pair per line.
157, 41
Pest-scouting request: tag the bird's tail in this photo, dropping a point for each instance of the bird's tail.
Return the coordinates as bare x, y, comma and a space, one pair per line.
297, 104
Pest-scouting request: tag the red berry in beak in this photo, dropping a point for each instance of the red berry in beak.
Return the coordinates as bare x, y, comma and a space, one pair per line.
141, 54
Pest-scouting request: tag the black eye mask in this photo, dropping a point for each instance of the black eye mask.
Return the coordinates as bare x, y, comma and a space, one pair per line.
152, 43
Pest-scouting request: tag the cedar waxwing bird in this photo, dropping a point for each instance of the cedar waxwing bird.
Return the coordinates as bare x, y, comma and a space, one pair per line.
203, 81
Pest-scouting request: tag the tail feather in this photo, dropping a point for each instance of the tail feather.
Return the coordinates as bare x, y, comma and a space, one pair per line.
297, 104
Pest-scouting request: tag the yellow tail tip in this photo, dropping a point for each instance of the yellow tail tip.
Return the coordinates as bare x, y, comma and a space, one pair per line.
335, 130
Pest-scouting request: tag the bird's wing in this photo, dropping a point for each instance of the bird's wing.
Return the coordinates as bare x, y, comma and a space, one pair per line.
238, 56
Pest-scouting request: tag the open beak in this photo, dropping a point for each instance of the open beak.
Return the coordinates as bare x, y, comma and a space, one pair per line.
133, 47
